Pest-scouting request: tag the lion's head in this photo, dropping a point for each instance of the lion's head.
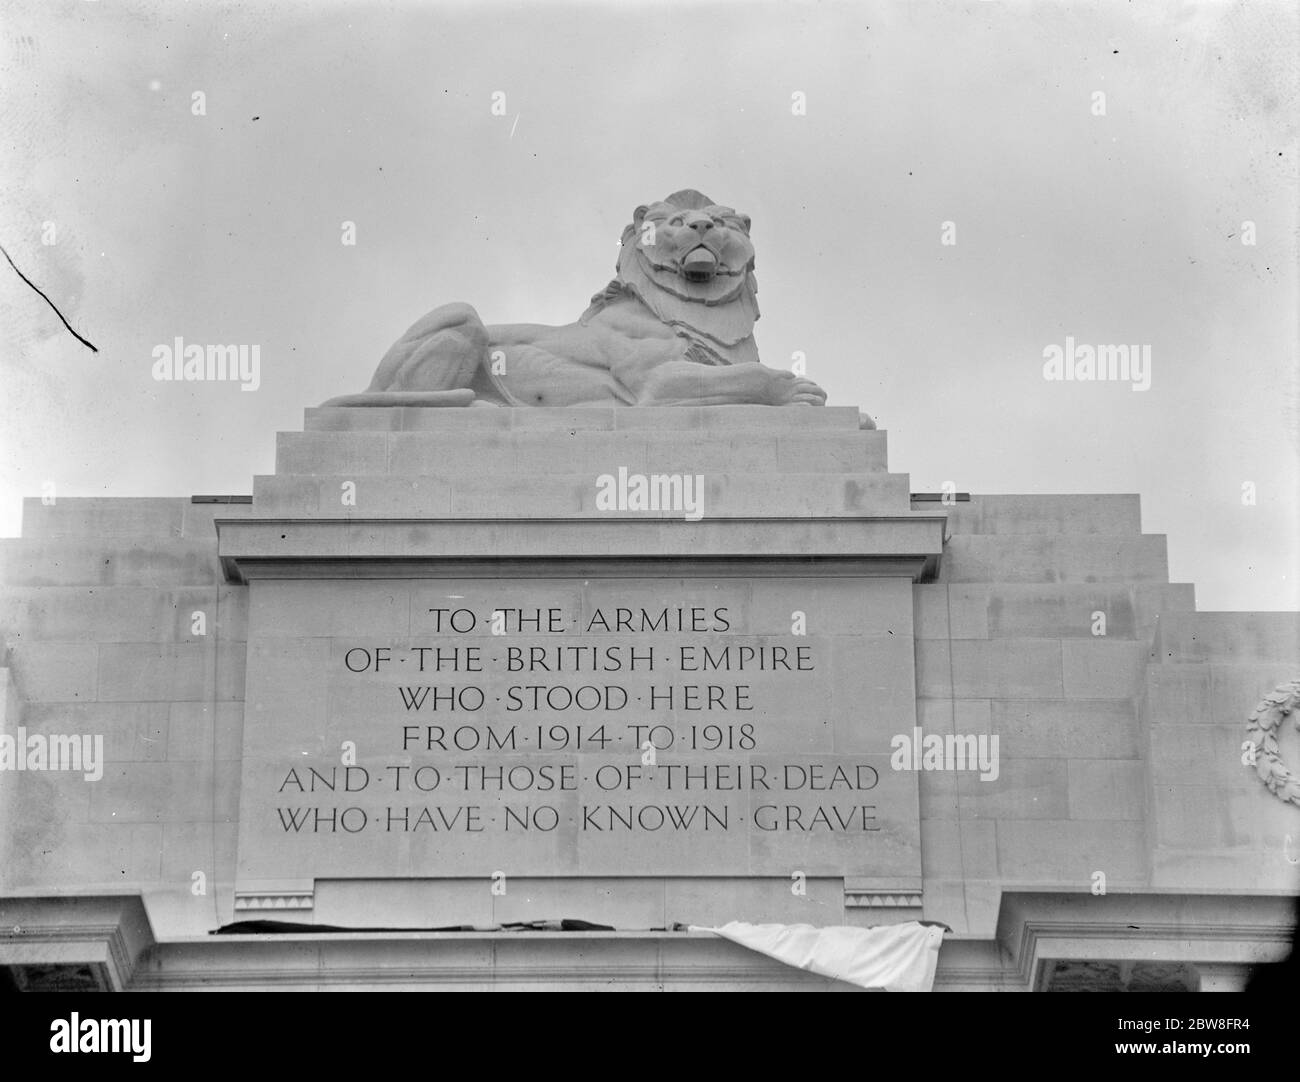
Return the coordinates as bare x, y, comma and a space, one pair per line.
691, 246
691, 261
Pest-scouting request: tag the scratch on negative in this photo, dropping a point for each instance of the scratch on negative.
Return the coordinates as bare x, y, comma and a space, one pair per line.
47, 301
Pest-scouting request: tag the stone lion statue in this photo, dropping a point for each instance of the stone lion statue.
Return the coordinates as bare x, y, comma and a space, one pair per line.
674, 328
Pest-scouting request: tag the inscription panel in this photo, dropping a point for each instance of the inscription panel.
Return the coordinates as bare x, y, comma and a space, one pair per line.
603, 727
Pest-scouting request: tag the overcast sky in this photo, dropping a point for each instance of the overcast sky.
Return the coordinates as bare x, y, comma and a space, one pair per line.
1117, 228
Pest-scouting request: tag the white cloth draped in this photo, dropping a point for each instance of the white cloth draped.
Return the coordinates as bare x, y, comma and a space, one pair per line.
895, 957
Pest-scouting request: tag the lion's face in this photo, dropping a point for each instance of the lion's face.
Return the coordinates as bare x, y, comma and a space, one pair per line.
701, 254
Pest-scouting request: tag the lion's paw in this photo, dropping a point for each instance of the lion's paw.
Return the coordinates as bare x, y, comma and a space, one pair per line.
787, 389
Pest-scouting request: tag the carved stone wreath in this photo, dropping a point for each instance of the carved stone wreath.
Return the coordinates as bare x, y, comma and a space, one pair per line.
1261, 732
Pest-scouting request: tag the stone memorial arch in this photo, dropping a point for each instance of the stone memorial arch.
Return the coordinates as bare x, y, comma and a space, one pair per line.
612, 630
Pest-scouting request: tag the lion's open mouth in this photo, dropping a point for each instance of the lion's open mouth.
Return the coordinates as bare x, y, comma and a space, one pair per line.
700, 265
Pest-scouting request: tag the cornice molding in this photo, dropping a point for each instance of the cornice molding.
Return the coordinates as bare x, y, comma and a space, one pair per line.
896, 545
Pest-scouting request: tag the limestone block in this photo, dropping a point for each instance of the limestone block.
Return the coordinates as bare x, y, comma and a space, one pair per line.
710, 901
113, 856
1068, 852
831, 606
398, 418
198, 847
1236, 689
405, 419
1107, 789
945, 900
953, 715
151, 672
937, 791
941, 848
153, 793
621, 903
118, 613
1181, 695
946, 611
725, 495
933, 668
513, 453
568, 495
955, 850
1023, 789
1056, 559
230, 661
1251, 637
983, 905
55, 851
792, 495
982, 669
1101, 669
11, 701
1059, 514
224, 794
979, 843
952, 611
204, 731
518, 955
556, 419
596, 453
968, 611
55, 672
871, 692
284, 683
357, 418
107, 562
96, 517
801, 495
742, 452
1038, 728
142, 846
231, 613
930, 610
132, 732
331, 452
43, 810
1150, 600
834, 451
1210, 754
290, 497
298, 610
415, 903
1060, 611
1205, 816
488, 456
1204, 869
718, 418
